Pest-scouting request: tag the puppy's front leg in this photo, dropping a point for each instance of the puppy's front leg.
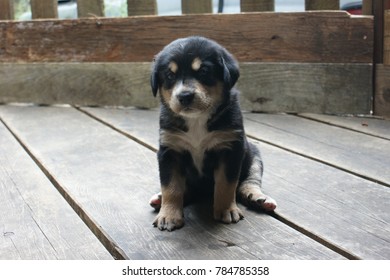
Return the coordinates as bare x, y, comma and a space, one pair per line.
225, 207
170, 216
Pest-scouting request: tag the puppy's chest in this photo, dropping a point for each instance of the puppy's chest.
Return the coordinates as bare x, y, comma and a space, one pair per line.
197, 140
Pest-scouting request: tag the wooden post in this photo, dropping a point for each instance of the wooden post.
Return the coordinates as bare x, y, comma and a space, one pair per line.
88, 8
257, 5
6, 9
322, 5
141, 7
386, 38
367, 7
44, 9
196, 6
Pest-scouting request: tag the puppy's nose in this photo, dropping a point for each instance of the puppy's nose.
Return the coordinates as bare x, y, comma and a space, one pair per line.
186, 97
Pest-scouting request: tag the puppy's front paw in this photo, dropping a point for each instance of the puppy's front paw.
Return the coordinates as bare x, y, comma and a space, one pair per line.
228, 216
169, 220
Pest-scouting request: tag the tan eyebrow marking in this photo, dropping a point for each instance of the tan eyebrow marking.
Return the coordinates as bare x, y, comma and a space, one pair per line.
173, 66
196, 63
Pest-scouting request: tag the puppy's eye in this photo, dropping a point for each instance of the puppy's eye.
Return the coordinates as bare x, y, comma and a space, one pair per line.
170, 75
203, 71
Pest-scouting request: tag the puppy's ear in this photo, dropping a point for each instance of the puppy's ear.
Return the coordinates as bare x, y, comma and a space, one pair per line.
154, 78
231, 71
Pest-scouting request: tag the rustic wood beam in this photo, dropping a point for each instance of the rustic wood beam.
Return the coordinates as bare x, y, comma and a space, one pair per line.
333, 88
332, 37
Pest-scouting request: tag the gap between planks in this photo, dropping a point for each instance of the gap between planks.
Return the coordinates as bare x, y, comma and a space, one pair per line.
318, 159
279, 217
101, 235
372, 117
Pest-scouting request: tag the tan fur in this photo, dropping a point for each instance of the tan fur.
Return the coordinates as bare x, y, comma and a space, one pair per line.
171, 211
196, 64
225, 207
173, 67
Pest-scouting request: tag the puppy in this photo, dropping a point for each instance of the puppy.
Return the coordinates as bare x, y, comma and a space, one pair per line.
202, 147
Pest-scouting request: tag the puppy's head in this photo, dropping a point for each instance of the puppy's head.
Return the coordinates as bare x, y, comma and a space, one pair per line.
193, 75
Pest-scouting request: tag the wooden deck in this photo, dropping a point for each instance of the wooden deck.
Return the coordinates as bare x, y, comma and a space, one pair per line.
75, 184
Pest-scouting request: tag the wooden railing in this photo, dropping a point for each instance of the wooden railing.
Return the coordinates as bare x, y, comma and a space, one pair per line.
317, 61
85, 8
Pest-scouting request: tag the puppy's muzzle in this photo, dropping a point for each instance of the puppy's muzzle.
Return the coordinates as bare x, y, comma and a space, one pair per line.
185, 98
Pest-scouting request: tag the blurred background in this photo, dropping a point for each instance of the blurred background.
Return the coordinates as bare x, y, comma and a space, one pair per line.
118, 8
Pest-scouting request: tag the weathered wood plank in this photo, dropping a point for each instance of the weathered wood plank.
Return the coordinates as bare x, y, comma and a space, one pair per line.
367, 7
141, 7
382, 90
196, 6
6, 9
332, 37
44, 9
90, 8
119, 84
335, 206
374, 126
257, 5
301, 87
112, 178
36, 222
348, 150
281, 87
386, 38
322, 5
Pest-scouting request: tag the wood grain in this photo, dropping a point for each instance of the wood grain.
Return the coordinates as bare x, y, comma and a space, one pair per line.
112, 179
359, 154
196, 6
301, 87
116, 84
141, 7
373, 126
90, 8
6, 9
37, 223
281, 87
386, 38
44, 9
382, 91
334, 206
257, 5
322, 5
331, 37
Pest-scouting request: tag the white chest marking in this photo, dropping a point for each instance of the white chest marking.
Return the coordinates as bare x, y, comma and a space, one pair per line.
197, 140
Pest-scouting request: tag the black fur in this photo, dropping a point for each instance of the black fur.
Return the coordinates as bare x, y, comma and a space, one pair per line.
218, 67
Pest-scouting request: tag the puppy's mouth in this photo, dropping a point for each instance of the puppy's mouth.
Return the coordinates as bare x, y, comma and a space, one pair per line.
189, 111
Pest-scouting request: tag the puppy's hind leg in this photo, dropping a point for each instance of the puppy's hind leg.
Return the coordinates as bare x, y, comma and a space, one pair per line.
251, 195
155, 201
249, 191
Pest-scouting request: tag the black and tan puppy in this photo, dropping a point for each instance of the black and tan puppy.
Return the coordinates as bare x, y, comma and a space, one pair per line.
202, 140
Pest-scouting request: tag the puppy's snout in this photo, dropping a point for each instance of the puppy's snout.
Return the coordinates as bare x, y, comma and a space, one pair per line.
186, 97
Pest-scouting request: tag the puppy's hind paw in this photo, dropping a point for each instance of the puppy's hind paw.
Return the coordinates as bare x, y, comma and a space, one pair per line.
155, 201
267, 203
